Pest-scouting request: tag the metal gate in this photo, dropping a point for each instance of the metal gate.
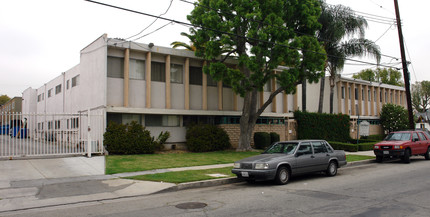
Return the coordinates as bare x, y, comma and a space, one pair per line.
25, 135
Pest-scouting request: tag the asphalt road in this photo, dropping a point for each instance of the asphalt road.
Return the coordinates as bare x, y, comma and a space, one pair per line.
387, 189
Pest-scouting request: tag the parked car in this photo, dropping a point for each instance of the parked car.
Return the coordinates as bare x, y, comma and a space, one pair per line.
403, 145
285, 159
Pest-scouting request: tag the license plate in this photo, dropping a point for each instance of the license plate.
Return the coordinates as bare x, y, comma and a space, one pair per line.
245, 174
386, 152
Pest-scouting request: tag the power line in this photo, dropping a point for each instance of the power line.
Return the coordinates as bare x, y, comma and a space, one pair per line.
168, 8
384, 32
228, 33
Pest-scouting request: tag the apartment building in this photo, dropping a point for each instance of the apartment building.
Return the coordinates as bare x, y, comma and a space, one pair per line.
165, 89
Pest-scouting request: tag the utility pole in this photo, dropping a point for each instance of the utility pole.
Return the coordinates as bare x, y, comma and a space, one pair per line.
405, 67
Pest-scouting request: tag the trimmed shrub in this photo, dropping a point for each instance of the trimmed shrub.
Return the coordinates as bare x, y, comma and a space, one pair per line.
366, 146
205, 138
274, 137
344, 146
261, 140
131, 138
322, 126
376, 137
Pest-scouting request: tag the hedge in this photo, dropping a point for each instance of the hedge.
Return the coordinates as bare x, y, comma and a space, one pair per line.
205, 138
322, 126
368, 146
261, 140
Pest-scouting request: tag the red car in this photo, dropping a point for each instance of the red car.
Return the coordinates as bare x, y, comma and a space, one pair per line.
403, 145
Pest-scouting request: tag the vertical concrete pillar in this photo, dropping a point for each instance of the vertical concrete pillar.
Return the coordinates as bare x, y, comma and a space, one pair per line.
220, 96
353, 112
360, 99
339, 97
205, 90
235, 102
187, 83
372, 101
398, 97
273, 90
126, 76
378, 101
384, 97
366, 100
148, 79
168, 84
285, 102
296, 101
347, 98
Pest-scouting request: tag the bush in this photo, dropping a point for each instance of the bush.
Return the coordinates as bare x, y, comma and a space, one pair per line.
131, 138
274, 137
205, 138
394, 118
376, 137
366, 146
322, 126
344, 146
261, 140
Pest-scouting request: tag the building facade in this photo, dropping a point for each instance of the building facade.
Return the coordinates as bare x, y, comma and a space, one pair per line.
165, 89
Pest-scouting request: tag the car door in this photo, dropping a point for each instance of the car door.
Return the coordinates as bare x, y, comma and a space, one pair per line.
321, 155
423, 143
415, 145
304, 158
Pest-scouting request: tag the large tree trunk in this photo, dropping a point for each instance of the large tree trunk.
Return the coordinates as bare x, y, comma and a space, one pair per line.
247, 120
304, 95
321, 100
331, 93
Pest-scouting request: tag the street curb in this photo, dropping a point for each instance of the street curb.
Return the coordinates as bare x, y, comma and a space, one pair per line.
224, 181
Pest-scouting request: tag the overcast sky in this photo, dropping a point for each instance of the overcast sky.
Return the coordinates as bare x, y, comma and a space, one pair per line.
41, 39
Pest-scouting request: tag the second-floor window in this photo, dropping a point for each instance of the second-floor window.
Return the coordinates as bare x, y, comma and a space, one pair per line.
57, 89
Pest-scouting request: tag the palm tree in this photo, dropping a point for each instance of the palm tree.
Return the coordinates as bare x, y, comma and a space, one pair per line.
189, 47
337, 23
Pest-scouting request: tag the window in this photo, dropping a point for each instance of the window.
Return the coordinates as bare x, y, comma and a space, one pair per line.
356, 93
343, 92
374, 95
319, 147
39, 98
128, 118
329, 149
43, 96
67, 84
422, 137
305, 148
158, 71
349, 92
49, 92
57, 89
74, 122
137, 69
196, 75
115, 67
49, 125
57, 124
162, 120
414, 136
211, 81
176, 73
75, 81
368, 95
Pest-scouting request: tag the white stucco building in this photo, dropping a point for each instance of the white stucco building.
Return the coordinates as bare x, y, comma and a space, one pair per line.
164, 89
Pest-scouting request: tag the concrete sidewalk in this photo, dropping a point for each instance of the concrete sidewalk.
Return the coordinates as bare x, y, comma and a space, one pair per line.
27, 184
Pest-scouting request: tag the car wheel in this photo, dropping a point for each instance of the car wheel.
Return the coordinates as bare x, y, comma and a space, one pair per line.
332, 168
379, 159
407, 156
282, 176
427, 155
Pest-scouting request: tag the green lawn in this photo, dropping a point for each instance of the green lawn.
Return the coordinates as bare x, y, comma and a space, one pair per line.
134, 163
351, 158
186, 176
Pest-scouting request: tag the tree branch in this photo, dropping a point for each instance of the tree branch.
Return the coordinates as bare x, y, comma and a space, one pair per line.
269, 101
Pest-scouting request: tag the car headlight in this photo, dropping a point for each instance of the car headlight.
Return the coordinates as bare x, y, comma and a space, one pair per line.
236, 165
261, 166
398, 147
376, 147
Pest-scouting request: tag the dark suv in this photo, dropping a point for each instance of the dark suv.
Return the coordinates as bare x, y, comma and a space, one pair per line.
403, 144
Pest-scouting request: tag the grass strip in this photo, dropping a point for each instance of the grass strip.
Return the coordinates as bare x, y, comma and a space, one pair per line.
135, 163
185, 176
351, 157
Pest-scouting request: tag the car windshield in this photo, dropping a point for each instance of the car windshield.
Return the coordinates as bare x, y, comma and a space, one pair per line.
286, 148
398, 137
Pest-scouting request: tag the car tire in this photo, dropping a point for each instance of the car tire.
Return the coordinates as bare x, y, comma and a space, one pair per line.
332, 168
379, 158
427, 155
407, 156
282, 176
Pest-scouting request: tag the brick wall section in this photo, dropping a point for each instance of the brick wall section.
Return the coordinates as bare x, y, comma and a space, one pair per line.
233, 131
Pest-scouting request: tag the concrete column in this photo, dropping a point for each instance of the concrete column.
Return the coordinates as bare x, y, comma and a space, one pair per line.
273, 90
372, 101
346, 101
205, 90
220, 96
366, 100
234, 101
168, 84
126, 76
378, 101
360, 99
398, 97
296, 101
285, 102
384, 97
353, 112
339, 97
187, 83
148, 79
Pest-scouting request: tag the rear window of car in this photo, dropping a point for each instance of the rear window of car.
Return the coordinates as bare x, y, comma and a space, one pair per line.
398, 137
422, 137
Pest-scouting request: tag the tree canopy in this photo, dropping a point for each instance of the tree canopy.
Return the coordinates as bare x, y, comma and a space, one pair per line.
394, 118
383, 75
259, 36
421, 96
3, 99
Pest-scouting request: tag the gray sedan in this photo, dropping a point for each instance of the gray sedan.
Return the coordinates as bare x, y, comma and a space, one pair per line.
284, 159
